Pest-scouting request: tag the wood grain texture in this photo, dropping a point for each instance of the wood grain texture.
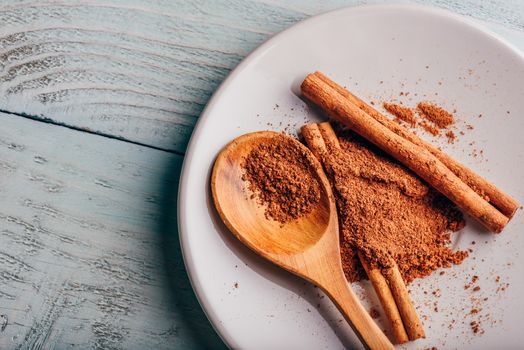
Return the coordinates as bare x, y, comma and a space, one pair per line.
88, 244
143, 71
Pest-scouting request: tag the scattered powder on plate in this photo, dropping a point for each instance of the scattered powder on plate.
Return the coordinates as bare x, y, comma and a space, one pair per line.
401, 113
435, 114
435, 118
451, 136
433, 130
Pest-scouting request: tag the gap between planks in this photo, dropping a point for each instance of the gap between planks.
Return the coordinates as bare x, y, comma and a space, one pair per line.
48, 120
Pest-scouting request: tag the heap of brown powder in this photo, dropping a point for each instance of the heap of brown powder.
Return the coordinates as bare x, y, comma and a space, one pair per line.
388, 213
278, 173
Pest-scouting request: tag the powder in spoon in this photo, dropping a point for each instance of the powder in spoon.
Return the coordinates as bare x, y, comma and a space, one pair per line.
388, 213
280, 176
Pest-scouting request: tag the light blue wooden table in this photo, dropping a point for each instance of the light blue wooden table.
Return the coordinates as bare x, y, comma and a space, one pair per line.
98, 99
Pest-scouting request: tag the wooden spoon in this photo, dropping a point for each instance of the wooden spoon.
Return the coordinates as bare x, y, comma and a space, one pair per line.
308, 247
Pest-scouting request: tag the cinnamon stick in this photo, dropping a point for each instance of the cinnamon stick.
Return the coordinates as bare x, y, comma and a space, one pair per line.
387, 301
502, 201
328, 134
314, 140
405, 306
413, 156
317, 137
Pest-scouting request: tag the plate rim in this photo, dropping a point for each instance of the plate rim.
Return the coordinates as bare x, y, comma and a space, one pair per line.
189, 264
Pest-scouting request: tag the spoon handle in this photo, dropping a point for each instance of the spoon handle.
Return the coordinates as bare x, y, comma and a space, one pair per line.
358, 318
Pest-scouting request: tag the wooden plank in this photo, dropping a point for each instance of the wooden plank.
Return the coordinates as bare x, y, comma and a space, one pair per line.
89, 253
123, 68
143, 71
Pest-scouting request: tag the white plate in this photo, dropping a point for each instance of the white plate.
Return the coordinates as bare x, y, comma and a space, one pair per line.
409, 48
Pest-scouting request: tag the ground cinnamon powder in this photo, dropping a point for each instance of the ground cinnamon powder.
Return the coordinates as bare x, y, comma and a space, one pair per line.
433, 130
451, 136
279, 175
385, 211
388, 213
401, 113
435, 118
435, 114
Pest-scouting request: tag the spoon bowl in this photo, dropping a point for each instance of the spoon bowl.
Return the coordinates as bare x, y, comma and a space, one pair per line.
247, 219
307, 246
